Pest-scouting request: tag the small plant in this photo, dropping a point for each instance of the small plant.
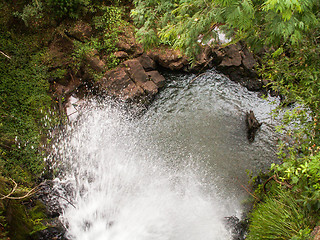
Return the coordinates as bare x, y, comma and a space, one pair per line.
68, 8
279, 217
31, 12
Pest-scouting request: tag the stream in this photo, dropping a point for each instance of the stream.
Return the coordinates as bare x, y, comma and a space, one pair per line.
175, 173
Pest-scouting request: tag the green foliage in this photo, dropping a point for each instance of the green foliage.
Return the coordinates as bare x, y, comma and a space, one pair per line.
279, 217
24, 108
185, 23
68, 8
303, 174
31, 12
107, 22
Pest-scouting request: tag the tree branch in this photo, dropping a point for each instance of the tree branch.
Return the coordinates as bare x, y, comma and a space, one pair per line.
7, 56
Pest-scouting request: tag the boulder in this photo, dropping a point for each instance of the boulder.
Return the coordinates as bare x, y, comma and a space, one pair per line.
115, 81
123, 46
147, 63
169, 58
121, 54
232, 56
150, 88
94, 61
81, 31
203, 60
252, 125
248, 60
136, 71
131, 92
157, 78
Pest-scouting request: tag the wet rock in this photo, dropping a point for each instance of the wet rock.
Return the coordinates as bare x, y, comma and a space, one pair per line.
130, 81
136, 71
150, 87
203, 60
237, 62
115, 81
238, 228
49, 197
54, 231
157, 78
252, 125
132, 93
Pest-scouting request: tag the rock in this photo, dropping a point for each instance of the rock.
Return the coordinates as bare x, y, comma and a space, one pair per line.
237, 62
136, 71
253, 84
81, 31
94, 61
115, 81
238, 228
232, 56
203, 60
121, 54
316, 233
157, 78
48, 195
252, 125
248, 60
132, 93
168, 58
150, 87
55, 231
178, 65
147, 63
123, 46
137, 50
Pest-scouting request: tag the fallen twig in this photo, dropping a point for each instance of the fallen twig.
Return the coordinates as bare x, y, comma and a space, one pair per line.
57, 195
196, 77
7, 56
28, 194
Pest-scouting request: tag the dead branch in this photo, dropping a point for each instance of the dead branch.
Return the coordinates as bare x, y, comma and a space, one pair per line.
246, 189
7, 56
12, 191
28, 194
196, 77
274, 177
57, 195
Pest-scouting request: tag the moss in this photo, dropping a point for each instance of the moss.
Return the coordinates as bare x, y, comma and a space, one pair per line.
24, 221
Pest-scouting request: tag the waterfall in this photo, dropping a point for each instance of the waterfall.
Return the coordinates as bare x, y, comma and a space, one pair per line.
144, 179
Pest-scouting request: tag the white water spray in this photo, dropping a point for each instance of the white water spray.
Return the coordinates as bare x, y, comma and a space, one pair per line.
122, 189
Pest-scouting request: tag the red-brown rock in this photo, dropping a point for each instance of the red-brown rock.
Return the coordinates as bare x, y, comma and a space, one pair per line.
150, 88
147, 63
232, 56
121, 54
136, 71
157, 78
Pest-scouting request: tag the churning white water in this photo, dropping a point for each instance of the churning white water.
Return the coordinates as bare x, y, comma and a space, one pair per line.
149, 178
121, 189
